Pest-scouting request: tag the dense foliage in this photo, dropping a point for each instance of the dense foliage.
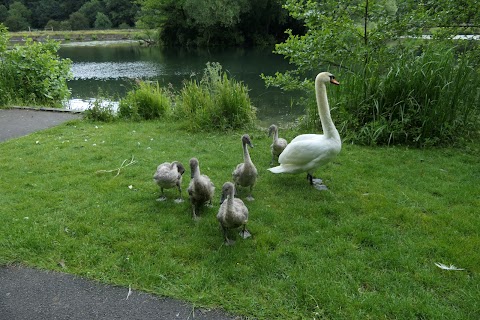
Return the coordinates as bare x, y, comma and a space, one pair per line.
32, 73
213, 22
19, 15
396, 88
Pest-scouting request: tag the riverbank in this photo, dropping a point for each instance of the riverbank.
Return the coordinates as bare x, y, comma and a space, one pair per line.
66, 36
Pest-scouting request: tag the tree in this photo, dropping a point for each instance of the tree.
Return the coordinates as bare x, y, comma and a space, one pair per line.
78, 21
91, 9
102, 21
18, 17
3, 13
121, 11
43, 11
216, 22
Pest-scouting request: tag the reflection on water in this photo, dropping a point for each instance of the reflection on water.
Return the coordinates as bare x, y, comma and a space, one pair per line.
110, 71
84, 104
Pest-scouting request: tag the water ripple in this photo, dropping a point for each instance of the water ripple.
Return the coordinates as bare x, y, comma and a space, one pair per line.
115, 70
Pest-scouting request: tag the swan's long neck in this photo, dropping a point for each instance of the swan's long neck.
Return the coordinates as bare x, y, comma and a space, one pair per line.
230, 197
328, 127
196, 173
275, 135
246, 154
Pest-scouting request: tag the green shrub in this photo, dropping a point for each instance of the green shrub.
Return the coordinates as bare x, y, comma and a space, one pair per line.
145, 102
33, 74
216, 102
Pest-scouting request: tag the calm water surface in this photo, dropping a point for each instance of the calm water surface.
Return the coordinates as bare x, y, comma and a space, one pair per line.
110, 70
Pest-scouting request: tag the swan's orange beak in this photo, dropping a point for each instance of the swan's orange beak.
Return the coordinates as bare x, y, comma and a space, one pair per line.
335, 82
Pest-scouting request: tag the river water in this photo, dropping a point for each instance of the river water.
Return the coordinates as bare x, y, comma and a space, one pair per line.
109, 70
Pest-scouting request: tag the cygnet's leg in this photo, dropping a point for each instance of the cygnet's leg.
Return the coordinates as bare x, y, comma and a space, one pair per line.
228, 242
195, 217
179, 199
244, 233
249, 197
162, 196
209, 204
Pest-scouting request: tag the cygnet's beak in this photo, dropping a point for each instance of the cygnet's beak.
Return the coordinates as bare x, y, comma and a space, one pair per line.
335, 82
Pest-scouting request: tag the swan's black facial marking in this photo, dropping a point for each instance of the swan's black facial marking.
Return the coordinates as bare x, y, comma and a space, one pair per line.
332, 80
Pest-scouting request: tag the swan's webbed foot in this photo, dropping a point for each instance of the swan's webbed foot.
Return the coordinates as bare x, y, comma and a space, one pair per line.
317, 183
162, 198
250, 198
320, 186
178, 200
245, 234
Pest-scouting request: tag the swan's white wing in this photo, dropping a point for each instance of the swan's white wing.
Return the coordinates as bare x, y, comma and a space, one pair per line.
298, 153
307, 150
307, 136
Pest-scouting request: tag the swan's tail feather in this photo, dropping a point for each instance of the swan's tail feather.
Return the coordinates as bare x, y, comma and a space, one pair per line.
277, 169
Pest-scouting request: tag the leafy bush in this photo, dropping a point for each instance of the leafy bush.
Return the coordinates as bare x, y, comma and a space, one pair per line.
215, 102
33, 74
147, 101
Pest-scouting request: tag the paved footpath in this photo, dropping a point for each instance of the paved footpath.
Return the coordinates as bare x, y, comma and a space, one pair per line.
19, 122
31, 294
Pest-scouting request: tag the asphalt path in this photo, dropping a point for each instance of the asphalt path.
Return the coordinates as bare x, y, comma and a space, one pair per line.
32, 294
20, 122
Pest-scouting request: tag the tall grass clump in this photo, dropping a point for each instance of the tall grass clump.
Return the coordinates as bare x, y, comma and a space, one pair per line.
32, 73
101, 110
215, 102
146, 101
425, 98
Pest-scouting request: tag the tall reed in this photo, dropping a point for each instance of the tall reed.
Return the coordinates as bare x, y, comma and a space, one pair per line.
147, 101
422, 99
215, 102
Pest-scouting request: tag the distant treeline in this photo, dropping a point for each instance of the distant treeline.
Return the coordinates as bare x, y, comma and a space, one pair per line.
180, 22
20, 15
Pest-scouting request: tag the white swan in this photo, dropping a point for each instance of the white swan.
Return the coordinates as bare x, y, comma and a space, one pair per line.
200, 189
278, 144
232, 213
307, 152
245, 174
169, 175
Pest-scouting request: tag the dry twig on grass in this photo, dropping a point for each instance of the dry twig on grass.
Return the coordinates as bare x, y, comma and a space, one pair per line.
123, 165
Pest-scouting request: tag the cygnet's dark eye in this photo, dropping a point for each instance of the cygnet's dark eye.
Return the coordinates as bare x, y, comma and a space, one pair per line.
332, 77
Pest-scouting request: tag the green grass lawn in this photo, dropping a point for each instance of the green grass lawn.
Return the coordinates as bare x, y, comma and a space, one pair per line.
364, 249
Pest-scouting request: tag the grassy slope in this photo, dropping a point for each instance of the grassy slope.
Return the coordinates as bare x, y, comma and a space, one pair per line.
364, 249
